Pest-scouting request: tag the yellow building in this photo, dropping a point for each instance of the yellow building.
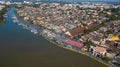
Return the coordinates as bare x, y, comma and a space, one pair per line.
114, 38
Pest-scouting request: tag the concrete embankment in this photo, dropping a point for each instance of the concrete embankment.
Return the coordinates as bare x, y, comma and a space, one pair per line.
83, 53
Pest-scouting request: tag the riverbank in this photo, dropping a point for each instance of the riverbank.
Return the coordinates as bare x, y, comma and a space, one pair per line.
77, 51
3, 15
56, 41
27, 50
83, 53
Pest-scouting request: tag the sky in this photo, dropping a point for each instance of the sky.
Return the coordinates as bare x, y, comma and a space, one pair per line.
73, 0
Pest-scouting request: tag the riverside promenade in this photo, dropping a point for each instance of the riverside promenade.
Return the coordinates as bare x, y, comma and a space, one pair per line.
83, 53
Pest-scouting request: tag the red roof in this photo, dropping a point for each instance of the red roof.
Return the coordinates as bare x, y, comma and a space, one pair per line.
93, 25
77, 31
74, 43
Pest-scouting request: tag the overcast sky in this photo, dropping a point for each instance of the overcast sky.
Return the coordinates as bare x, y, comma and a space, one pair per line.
72, 0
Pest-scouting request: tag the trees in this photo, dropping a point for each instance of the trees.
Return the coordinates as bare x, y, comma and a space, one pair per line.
115, 14
89, 43
1, 14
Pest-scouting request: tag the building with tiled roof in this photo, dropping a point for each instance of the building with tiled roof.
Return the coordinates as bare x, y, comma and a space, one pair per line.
74, 43
99, 51
75, 32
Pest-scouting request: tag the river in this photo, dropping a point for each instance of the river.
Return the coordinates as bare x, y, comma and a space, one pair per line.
21, 48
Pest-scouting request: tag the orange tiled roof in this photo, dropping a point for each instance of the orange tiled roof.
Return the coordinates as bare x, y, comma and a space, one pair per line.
99, 49
77, 31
